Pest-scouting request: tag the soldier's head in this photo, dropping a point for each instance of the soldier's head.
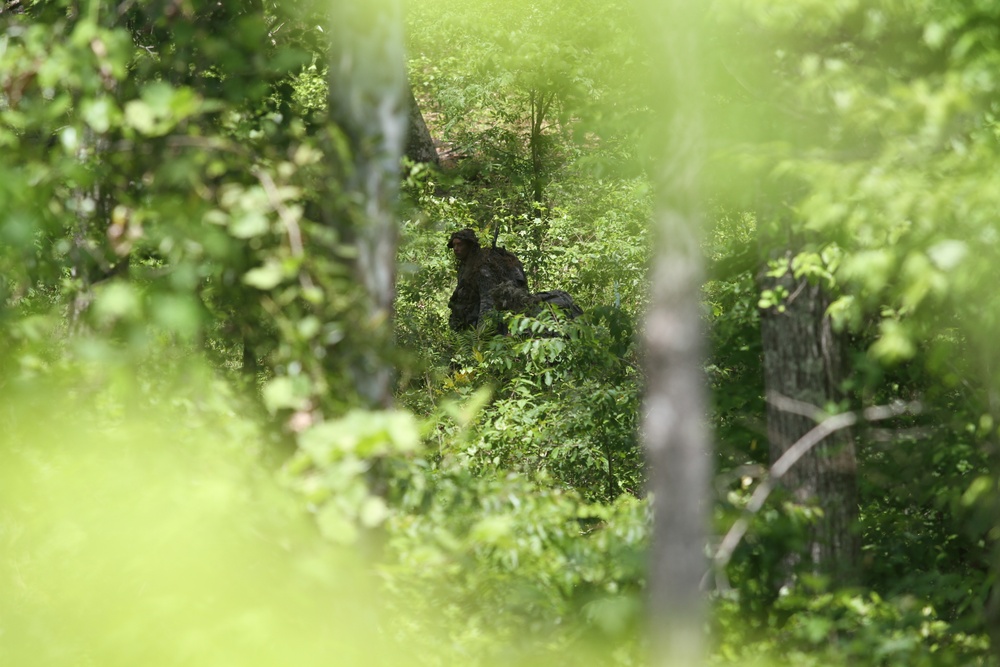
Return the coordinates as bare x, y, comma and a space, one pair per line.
464, 243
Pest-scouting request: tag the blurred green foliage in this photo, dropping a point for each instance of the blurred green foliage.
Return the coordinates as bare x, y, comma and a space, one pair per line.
141, 522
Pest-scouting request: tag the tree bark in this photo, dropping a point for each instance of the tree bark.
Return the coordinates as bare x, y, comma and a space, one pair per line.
803, 361
368, 101
676, 443
419, 143
674, 430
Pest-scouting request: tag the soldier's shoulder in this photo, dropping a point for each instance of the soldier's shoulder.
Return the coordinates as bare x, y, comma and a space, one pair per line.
501, 253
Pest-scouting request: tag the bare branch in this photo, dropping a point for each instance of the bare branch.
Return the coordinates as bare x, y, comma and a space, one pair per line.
792, 455
796, 407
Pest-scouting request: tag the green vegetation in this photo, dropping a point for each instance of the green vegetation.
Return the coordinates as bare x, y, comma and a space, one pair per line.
224, 440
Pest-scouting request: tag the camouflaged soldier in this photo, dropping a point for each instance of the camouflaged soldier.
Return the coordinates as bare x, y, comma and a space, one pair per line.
480, 271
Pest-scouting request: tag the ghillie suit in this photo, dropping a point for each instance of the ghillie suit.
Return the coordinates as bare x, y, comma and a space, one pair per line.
478, 275
515, 298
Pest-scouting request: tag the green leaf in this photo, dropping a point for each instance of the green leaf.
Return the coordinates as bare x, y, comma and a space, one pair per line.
492, 530
403, 430
100, 114
281, 392
948, 254
320, 440
248, 224
161, 107
373, 512
159, 96
980, 487
309, 326
265, 277
844, 313
895, 343
178, 313
817, 628
140, 116
465, 414
935, 34
117, 300
69, 137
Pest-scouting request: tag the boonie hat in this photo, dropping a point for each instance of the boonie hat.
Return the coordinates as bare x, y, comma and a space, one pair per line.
463, 235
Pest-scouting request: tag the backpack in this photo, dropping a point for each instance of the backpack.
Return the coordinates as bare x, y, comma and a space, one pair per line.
557, 297
507, 265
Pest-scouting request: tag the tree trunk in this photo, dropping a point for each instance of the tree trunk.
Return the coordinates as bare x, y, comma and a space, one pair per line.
677, 448
674, 429
419, 143
803, 361
368, 100
92, 205
540, 103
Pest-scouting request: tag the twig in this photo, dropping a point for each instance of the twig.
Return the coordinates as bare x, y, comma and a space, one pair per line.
826, 427
794, 295
291, 224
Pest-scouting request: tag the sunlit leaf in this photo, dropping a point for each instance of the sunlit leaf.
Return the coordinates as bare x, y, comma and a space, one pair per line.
265, 277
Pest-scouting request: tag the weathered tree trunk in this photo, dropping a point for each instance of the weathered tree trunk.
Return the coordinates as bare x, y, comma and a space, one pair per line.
803, 361
368, 100
419, 143
674, 429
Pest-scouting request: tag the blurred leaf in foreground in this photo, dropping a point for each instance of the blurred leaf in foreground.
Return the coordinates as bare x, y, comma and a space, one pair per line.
140, 540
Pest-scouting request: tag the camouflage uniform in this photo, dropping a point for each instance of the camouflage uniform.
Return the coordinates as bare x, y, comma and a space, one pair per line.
516, 299
478, 275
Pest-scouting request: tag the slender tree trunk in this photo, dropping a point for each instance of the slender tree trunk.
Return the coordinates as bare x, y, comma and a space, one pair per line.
677, 446
368, 101
92, 205
803, 361
540, 103
674, 430
249, 357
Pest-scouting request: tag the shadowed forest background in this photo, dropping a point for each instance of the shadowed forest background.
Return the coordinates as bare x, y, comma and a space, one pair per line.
235, 426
